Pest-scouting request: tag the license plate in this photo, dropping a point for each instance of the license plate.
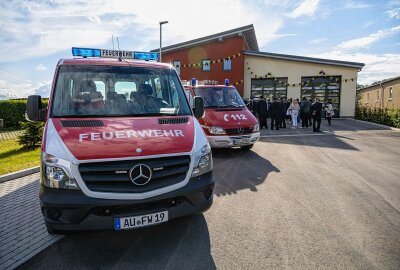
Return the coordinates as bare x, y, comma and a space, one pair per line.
241, 141
124, 223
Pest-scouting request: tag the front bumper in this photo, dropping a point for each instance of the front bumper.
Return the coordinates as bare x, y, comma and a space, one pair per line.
67, 211
232, 141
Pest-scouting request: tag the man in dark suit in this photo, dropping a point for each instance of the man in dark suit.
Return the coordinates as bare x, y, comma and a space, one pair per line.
262, 110
316, 113
274, 111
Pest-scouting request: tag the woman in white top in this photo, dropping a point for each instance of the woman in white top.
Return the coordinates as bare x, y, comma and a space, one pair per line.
294, 110
329, 111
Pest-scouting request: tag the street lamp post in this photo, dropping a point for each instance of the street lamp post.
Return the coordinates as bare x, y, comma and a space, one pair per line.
161, 23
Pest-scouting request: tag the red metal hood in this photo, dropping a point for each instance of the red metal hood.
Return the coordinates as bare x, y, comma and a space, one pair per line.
229, 118
125, 137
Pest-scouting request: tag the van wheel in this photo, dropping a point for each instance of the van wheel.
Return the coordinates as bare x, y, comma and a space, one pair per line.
247, 147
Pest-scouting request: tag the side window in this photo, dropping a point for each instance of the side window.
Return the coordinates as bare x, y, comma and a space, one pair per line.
125, 88
101, 87
227, 65
157, 87
174, 94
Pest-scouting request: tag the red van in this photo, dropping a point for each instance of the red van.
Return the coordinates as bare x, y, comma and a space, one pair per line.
227, 122
121, 147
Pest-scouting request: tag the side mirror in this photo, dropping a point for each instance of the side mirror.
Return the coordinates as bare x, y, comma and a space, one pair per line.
34, 111
198, 107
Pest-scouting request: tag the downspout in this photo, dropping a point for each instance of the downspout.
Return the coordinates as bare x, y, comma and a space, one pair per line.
382, 95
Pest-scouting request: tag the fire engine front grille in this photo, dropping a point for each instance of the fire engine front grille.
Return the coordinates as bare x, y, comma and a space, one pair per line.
114, 177
238, 131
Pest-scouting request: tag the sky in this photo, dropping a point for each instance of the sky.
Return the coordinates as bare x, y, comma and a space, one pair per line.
35, 34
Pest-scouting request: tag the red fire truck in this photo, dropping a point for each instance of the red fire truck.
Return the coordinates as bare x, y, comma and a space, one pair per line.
226, 121
121, 147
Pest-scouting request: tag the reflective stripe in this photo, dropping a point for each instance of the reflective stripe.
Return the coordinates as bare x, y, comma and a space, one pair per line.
78, 100
96, 99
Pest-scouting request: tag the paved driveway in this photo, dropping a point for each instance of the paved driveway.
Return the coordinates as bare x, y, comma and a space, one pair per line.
294, 202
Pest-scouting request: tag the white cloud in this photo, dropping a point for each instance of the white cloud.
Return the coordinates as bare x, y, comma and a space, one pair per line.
22, 89
368, 40
377, 66
41, 67
394, 13
306, 8
318, 40
356, 5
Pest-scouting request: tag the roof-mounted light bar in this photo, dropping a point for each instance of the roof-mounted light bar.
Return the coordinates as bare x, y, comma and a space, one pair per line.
88, 52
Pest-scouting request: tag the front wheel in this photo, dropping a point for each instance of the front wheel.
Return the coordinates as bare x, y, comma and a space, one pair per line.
247, 147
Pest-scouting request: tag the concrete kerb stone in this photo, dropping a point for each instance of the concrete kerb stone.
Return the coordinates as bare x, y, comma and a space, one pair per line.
18, 174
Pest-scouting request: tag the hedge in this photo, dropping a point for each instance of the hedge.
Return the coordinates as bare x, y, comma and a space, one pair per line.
389, 117
13, 112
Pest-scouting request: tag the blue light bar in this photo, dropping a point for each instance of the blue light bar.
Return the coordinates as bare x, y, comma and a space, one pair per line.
145, 55
86, 52
193, 82
227, 82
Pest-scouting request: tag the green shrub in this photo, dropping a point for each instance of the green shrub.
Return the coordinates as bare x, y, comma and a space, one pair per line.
388, 117
13, 112
32, 135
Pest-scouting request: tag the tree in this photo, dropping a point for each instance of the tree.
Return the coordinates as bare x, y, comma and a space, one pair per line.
32, 135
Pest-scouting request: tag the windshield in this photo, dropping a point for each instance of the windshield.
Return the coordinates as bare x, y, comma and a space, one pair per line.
219, 97
94, 91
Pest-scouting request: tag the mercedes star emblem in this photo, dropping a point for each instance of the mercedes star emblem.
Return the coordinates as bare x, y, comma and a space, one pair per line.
140, 174
138, 150
241, 130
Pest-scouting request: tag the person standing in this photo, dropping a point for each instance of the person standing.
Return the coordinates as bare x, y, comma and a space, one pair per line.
305, 112
274, 113
309, 115
262, 110
329, 111
294, 109
316, 111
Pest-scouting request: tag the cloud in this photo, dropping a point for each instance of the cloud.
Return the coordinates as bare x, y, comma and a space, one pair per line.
306, 8
41, 67
394, 13
377, 66
356, 5
368, 40
318, 40
22, 89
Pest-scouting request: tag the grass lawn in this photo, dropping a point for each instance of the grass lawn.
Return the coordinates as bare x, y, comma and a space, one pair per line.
14, 158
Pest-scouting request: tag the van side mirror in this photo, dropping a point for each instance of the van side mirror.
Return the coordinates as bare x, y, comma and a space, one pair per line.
198, 107
34, 109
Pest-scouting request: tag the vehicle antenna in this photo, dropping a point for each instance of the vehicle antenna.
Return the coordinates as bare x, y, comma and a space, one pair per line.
112, 38
120, 55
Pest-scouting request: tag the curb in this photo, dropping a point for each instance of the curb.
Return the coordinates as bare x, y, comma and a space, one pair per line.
18, 174
376, 124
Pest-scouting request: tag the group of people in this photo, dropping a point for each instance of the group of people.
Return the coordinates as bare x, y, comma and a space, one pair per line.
282, 111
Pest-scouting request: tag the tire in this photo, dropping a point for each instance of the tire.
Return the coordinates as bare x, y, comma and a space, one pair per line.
247, 147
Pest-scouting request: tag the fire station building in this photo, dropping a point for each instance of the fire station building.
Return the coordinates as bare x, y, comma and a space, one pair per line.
235, 55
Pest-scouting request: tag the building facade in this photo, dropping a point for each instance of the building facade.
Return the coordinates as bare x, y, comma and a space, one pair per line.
384, 95
234, 55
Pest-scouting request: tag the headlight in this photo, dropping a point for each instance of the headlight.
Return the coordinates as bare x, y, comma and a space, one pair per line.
56, 173
216, 130
203, 161
256, 128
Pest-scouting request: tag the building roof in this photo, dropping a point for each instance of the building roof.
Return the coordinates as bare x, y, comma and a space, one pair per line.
379, 83
246, 31
306, 59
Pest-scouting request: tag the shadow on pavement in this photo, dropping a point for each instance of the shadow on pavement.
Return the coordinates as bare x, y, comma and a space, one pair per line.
179, 244
236, 169
326, 140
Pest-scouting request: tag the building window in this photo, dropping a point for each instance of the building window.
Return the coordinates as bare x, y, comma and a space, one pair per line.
390, 93
206, 65
227, 65
177, 65
367, 98
378, 93
324, 88
269, 88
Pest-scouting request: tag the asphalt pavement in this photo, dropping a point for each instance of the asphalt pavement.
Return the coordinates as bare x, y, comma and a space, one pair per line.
295, 201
